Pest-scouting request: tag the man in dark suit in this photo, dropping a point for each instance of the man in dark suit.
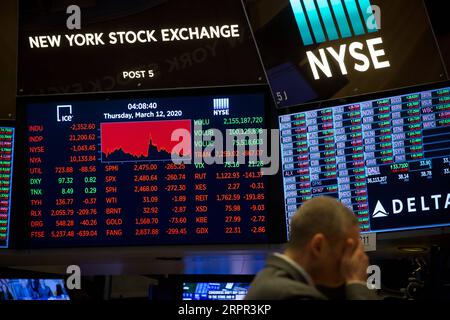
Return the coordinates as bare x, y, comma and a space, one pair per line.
324, 251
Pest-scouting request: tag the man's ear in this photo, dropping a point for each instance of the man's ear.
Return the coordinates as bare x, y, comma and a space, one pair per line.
317, 244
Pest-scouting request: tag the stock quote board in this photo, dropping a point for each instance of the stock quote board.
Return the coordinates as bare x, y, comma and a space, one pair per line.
6, 173
387, 159
102, 173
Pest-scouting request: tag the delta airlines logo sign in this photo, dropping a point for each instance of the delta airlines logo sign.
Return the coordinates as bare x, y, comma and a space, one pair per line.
379, 211
321, 21
424, 204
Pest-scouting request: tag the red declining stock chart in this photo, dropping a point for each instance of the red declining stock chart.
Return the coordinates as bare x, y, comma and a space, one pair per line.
142, 141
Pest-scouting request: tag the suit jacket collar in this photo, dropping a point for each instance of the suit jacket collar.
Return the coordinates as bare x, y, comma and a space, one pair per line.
278, 262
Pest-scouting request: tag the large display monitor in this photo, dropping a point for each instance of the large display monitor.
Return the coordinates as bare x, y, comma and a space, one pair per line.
387, 157
101, 172
7, 134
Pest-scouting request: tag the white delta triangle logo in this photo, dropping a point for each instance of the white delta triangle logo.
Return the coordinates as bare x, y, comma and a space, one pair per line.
379, 211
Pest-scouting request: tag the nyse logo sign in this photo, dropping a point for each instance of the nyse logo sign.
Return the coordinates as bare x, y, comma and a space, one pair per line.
421, 204
319, 23
315, 12
222, 107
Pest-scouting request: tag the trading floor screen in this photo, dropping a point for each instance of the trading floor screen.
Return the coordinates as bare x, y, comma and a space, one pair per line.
387, 159
104, 172
6, 172
226, 291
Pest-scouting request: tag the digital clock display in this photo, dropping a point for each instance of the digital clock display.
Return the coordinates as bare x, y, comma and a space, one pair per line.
143, 106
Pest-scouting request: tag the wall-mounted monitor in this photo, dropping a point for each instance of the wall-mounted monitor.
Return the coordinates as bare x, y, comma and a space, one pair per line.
226, 291
7, 136
387, 157
102, 171
33, 289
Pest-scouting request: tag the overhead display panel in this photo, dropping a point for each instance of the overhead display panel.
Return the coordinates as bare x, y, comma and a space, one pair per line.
315, 50
92, 46
146, 170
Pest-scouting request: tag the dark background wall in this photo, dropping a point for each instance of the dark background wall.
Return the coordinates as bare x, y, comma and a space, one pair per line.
439, 21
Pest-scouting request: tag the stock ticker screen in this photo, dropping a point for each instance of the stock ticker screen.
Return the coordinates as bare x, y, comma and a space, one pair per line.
6, 171
101, 172
386, 159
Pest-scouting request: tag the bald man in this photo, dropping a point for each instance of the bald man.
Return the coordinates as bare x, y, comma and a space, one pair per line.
324, 251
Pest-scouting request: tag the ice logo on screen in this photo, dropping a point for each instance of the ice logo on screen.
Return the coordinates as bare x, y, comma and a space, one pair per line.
313, 14
380, 211
64, 113
222, 107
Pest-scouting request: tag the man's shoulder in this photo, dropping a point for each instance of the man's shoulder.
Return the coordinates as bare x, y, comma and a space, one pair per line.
276, 284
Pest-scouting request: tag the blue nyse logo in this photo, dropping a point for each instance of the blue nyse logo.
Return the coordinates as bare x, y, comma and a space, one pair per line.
313, 15
321, 21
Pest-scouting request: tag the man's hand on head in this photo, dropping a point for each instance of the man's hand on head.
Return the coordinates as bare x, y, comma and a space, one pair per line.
354, 262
